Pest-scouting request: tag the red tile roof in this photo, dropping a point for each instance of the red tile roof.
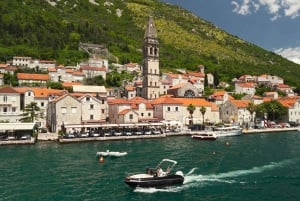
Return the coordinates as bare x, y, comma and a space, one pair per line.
8, 90
28, 76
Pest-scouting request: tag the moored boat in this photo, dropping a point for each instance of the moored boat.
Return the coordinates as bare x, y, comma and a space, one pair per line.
205, 136
227, 131
160, 176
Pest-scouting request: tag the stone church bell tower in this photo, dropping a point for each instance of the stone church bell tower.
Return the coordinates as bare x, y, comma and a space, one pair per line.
151, 79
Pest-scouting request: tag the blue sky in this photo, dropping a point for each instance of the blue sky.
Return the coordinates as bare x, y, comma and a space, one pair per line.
271, 24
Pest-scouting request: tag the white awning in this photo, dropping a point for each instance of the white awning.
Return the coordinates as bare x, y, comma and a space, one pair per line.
16, 126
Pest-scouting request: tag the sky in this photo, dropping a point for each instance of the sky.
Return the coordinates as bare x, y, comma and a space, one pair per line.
271, 24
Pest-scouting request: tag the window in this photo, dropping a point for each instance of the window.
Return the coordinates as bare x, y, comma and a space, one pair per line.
91, 106
87, 98
102, 111
5, 99
91, 117
149, 114
142, 114
5, 110
176, 109
131, 116
42, 104
13, 109
74, 110
168, 109
63, 110
29, 93
103, 102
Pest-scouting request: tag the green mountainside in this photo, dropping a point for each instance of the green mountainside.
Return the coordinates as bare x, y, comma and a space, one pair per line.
53, 29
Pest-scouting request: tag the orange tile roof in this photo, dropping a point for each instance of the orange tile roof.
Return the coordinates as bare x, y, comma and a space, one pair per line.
28, 76
267, 99
78, 73
289, 103
70, 84
166, 100
247, 85
125, 111
8, 90
52, 69
69, 71
130, 88
219, 93
22, 89
282, 86
176, 76
196, 74
137, 99
4, 65
131, 65
178, 86
45, 92
194, 101
117, 101
240, 103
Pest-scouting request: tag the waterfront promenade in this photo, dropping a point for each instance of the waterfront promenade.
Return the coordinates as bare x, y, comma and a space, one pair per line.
55, 137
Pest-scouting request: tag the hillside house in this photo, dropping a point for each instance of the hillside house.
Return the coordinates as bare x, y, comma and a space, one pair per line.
27, 79
245, 88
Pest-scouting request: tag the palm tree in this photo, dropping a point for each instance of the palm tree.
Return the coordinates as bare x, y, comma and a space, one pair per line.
203, 110
191, 108
251, 108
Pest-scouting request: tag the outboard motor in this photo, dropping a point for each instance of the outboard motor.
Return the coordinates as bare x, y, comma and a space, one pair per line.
179, 173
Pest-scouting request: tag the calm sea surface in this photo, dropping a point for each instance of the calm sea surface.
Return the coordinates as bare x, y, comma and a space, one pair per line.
253, 167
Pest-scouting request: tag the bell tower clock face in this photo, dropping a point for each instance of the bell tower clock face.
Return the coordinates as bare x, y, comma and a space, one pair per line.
189, 93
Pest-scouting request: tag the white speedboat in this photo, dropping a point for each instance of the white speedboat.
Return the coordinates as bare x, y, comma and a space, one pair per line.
160, 176
227, 131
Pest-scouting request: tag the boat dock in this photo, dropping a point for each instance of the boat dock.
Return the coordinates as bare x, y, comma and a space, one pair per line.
110, 138
269, 130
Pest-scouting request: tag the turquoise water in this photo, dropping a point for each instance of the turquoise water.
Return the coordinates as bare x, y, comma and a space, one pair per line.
251, 167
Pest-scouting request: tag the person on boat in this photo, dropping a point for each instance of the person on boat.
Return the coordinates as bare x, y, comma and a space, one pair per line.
159, 172
168, 170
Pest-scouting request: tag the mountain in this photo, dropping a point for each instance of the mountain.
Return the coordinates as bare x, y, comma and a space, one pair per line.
53, 29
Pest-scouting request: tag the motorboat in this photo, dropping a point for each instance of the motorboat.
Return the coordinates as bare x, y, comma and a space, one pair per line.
110, 153
205, 136
227, 131
158, 177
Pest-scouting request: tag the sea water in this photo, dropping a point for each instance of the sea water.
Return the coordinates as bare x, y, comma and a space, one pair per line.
248, 167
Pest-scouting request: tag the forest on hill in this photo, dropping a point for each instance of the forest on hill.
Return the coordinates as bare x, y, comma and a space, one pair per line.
53, 29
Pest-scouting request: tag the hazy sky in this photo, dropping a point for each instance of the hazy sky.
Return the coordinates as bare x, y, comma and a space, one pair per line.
271, 24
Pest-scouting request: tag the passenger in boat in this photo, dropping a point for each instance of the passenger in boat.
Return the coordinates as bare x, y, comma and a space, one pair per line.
159, 171
168, 170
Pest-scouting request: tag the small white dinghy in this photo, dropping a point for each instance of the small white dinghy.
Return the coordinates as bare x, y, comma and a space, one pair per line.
111, 153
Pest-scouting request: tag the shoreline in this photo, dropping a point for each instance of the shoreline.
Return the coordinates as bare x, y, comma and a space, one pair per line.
54, 137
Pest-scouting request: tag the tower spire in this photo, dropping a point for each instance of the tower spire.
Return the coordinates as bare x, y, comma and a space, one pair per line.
150, 30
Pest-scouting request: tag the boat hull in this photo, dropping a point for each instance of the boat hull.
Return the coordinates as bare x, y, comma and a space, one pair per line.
200, 137
155, 182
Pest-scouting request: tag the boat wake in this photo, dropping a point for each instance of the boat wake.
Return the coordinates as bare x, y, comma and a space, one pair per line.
193, 180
